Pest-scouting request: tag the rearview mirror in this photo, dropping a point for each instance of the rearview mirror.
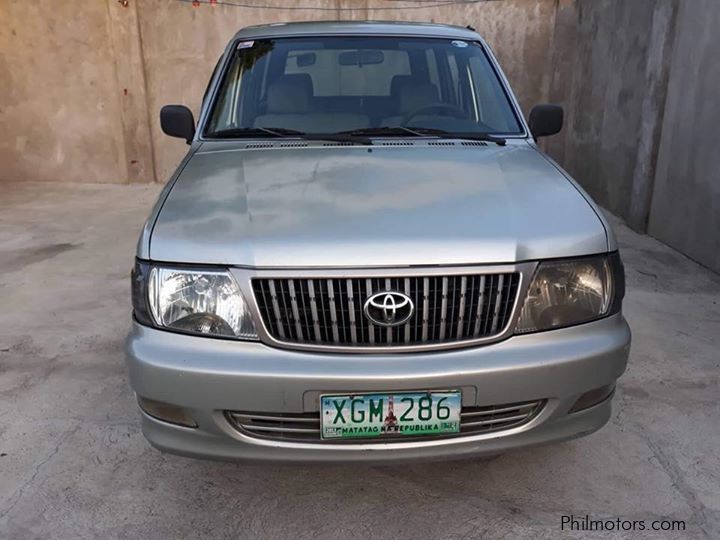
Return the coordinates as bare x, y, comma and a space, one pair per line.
178, 121
306, 59
546, 120
361, 58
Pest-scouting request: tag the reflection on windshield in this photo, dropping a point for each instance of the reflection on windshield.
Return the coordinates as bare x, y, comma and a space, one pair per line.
330, 85
246, 58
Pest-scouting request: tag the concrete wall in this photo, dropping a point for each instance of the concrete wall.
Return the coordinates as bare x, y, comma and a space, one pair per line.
81, 88
60, 113
604, 69
685, 210
640, 84
181, 46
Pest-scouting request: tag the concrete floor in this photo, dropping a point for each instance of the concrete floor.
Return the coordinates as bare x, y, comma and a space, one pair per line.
73, 463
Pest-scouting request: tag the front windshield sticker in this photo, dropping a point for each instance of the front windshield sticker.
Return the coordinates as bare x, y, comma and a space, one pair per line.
245, 45
460, 44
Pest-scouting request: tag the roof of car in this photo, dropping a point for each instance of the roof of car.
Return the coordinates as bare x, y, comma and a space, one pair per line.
356, 28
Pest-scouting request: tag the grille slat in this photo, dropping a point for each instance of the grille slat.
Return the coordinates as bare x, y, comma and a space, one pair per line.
305, 427
330, 312
495, 410
388, 330
407, 325
285, 429
443, 308
425, 309
480, 305
493, 421
279, 418
371, 327
276, 310
295, 310
461, 310
498, 301
487, 309
351, 312
313, 310
333, 312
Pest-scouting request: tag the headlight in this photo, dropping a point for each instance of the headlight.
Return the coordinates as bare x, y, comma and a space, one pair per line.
564, 293
207, 302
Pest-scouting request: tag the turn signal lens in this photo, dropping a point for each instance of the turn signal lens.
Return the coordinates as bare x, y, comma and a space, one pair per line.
138, 287
592, 398
166, 412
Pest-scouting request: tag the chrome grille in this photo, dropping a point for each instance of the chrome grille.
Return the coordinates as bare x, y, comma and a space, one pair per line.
305, 427
329, 311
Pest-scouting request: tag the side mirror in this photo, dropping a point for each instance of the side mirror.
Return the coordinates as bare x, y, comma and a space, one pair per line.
178, 121
546, 120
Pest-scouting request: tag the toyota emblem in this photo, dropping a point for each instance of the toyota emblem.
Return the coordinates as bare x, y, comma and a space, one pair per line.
389, 308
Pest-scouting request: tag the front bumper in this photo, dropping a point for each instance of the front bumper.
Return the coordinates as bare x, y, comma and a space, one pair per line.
208, 376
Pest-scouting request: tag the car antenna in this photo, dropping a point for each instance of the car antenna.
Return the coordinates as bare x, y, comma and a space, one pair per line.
470, 28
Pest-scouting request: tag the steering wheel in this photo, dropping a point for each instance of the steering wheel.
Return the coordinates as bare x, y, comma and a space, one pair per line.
454, 111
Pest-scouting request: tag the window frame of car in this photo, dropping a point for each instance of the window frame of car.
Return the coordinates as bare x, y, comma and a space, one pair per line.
233, 47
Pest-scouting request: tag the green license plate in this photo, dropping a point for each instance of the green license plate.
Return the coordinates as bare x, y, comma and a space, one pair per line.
388, 415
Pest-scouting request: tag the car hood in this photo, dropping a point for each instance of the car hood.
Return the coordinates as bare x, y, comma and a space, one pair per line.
332, 206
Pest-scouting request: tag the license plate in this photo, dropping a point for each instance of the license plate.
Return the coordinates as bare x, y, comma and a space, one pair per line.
388, 415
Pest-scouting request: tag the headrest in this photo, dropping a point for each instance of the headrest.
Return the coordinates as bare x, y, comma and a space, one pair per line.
291, 94
400, 81
414, 96
300, 80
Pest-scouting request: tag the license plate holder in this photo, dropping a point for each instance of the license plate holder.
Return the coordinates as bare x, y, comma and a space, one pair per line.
390, 415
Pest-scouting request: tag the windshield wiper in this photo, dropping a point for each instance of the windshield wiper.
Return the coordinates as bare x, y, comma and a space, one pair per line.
472, 136
392, 130
425, 132
237, 133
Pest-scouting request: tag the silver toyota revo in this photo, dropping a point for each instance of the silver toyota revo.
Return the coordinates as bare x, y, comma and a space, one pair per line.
364, 256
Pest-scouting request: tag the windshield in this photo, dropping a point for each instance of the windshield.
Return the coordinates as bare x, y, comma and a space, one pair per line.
341, 84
